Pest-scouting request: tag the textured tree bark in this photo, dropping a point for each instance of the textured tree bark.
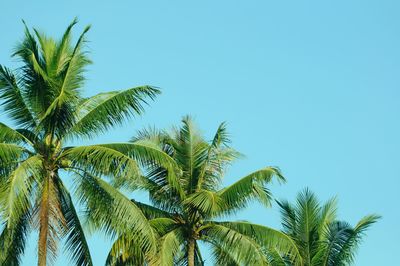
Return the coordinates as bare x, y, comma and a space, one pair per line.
43, 224
191, 247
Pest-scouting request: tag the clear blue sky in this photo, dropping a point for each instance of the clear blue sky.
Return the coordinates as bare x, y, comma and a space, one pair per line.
310, 86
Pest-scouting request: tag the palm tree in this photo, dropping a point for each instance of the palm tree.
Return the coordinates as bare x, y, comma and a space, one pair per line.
190, 208
321, 239
44, 100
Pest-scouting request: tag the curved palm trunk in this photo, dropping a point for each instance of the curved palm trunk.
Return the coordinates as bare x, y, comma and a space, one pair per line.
191, 247
43, 224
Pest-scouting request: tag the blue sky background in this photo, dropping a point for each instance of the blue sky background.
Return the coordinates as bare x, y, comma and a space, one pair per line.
309, 86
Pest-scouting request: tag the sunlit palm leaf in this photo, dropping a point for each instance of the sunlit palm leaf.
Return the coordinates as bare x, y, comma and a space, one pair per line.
267, 237
241, 248
104, 160
105, 110
10, 135
15, 191
43, 98
251, 187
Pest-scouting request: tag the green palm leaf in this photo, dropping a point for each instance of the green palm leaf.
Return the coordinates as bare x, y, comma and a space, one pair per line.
105, 110
12, 99
251, 187
10, 153
319, 237
183, 207
169, 245
268, 237
10, 135
15, 191
44, 99
104, 160
75, 237
112, 212
68, 80
208, 203
13, 241
241, 248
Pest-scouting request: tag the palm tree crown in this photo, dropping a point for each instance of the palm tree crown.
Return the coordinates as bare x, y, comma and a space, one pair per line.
320, 238
187, 207
44, 100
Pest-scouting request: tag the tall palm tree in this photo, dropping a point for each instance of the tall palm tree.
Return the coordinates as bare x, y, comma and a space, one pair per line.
44, 100
191, 207
321, 239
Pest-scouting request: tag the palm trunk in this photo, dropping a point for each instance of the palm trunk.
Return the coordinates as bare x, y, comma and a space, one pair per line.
191, 248
43, 224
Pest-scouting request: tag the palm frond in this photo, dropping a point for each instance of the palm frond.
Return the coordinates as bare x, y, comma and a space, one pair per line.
75, 242
13, 101
349, 239
218, 155
152, 212
308, 212
10, 154
105, 160
111, 211
105, 110
148, 154
15, 191
328, 214
272, 240
241, 248
10, 135
36, 90
222, 257
169, 245
251, 187
60, 114
288, 216
163, 225
13, 240
208, 203
125, 251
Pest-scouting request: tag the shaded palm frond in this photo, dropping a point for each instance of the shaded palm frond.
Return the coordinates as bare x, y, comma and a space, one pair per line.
320, 238
75, 241
13, 101
109, 210
13, 240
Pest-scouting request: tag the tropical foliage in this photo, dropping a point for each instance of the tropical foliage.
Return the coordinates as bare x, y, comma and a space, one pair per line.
191, 207
180, 170
321, 239
44, 100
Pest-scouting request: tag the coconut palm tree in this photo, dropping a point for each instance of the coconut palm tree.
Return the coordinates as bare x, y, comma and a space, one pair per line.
44, 100
321, 239
191, 208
